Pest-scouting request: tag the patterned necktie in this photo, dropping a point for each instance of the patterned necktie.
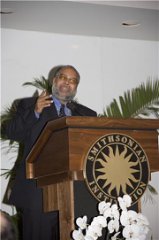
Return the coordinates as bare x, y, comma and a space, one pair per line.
62, 112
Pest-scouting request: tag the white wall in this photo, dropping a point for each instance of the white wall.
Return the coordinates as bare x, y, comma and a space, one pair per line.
151, 209
108, 67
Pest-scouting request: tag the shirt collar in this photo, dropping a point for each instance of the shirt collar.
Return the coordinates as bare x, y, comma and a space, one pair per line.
57, 103
58, 106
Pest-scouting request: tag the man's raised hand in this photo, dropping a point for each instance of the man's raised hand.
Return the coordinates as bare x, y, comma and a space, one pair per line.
44, 100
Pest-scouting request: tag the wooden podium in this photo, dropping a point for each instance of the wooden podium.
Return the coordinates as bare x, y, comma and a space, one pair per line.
57, 159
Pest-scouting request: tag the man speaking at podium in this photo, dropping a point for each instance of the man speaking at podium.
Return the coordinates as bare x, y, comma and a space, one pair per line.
31, 116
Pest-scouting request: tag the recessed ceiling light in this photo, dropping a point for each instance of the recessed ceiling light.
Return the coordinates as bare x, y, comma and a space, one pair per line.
130, 23
75, 45
6, 11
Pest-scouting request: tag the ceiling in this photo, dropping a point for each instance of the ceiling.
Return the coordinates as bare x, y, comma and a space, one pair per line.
134, 4
88, 18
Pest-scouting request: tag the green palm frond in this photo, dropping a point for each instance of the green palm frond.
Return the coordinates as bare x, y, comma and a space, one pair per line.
9, 112
17, 152
143, 100
152, 189
138, 103
7, 115
42, 84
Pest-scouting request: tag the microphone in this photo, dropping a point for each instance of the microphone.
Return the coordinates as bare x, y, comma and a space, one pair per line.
73, 107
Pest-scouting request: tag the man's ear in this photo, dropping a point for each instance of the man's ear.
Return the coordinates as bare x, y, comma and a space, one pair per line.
53, 80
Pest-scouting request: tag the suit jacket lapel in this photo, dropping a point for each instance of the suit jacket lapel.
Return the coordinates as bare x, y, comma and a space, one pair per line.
74, 113
49, 113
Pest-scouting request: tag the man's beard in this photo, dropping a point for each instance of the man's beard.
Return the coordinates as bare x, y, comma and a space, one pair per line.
67, 98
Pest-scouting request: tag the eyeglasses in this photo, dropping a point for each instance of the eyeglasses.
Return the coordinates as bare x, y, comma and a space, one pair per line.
64, 78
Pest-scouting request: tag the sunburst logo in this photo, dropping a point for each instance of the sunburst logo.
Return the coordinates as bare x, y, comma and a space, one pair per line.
116, 165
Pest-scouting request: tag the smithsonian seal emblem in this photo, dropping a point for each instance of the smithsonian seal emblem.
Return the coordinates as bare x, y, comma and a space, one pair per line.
116, 165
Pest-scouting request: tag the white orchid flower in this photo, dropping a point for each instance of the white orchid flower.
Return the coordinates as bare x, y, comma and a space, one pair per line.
94, 231
134, 225
88, 238
142, 237
124, 202
114, 207
132, 216
131, 232
107, 213
97, 230
144, 229
82, 222
102, 206
77, 235
99, 220
124, 218
113, 225
128, 217
132, 238
142, 220
114, 211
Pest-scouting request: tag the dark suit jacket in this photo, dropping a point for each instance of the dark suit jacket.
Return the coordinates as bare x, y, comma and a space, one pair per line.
26, 128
